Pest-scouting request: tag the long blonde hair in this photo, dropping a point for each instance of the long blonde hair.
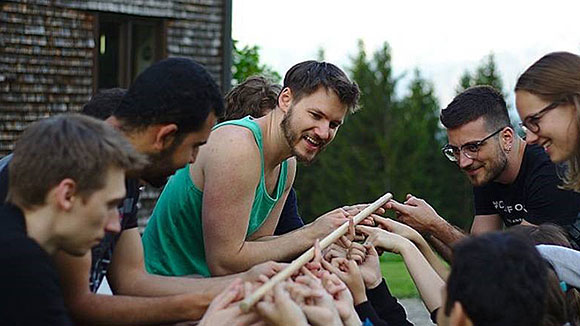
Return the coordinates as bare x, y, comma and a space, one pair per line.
556, 77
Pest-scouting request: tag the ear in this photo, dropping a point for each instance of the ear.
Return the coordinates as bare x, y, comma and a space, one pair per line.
164, 136
507, 139
458, 316
64, 194
285, 99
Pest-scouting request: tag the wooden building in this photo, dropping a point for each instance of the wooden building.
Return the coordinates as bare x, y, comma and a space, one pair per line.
54, 54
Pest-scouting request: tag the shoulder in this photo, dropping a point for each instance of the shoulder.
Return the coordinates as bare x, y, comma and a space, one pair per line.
536, 158
230, 139
230, 150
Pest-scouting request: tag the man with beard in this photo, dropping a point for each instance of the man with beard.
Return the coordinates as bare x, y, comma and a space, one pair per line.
167, 114
512, 182
218, 215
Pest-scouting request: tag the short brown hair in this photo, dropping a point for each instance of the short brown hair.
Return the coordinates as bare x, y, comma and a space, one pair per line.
255, 96
66, 146
306, 77
556, 77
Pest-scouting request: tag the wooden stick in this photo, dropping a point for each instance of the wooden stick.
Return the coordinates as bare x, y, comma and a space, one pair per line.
247, 303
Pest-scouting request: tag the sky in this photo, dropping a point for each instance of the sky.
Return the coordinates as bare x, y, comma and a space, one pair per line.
441, 38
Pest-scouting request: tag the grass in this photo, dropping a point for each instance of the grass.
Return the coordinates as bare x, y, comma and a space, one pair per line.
397, 276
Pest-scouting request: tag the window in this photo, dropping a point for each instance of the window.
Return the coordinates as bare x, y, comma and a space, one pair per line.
126, 45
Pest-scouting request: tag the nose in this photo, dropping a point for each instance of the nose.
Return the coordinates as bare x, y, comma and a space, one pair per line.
324, 132
531, 138
464, 161
113, 224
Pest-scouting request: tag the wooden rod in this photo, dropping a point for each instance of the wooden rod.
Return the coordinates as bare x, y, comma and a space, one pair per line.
297, 263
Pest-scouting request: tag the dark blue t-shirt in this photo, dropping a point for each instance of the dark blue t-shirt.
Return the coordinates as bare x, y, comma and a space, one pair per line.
289, 218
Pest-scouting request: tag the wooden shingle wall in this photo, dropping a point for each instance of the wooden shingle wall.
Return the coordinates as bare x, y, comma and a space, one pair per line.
48, 49
46, 62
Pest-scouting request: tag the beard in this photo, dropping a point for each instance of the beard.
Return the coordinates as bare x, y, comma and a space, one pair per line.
491, 172
161, 166
293, 138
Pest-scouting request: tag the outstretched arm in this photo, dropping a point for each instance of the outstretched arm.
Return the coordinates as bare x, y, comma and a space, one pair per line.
428, 282
418, 214
412, 234
140, 298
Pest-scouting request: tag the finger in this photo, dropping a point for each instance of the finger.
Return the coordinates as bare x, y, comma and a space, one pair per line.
350, 234
345, 241
371, 251
367, 230
227, 296
368, 221
331, 267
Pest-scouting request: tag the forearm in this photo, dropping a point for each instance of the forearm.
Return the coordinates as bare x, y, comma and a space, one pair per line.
429, 284
150, 285
95, 309
441, 248
282, 248
432, 258
446, 232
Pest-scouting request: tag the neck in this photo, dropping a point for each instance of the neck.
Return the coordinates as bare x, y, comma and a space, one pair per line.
138, 137
514, 162
40, 226
274, 142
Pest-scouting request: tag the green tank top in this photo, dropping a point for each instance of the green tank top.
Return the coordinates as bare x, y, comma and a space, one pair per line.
173, 240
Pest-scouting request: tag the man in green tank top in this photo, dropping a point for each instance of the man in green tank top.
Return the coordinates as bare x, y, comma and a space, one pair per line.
217, 216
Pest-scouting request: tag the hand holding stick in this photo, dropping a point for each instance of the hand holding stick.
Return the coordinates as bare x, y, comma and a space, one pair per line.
247, 303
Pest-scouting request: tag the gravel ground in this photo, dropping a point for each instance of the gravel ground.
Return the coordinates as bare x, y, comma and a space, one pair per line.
416, 312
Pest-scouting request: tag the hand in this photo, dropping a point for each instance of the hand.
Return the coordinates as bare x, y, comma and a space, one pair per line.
223, 312
336, 250
282, 310
416, 213
342, 298
268, 269
314, 266
384, 239
349, 273
370, 269
398, 228
317, 304
330, 221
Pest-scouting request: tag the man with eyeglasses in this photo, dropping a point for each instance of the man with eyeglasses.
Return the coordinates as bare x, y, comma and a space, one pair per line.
512, 182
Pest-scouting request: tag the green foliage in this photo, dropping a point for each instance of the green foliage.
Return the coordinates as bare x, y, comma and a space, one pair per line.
397, 277
389, 145
246, 63
485, 74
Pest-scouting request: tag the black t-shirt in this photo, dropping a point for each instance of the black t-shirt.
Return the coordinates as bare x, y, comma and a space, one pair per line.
29, 286
103, 252
534, 196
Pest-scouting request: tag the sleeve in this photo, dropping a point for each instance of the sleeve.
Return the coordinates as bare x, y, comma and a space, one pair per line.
545, 201
433, 315
4, 178
367, 313
129, 208
387, 306
482, 200
289, 218
30, 288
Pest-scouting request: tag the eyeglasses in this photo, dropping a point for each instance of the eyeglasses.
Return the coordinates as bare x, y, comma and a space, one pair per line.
470, 149
532, 122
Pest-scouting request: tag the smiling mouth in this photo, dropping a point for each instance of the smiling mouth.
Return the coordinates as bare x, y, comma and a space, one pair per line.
472, 171
546, 145
313, 142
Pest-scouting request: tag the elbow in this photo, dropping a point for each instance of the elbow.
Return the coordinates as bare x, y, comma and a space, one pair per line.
221, 266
